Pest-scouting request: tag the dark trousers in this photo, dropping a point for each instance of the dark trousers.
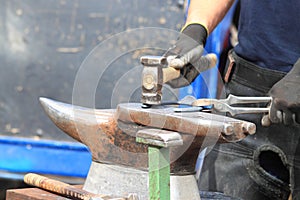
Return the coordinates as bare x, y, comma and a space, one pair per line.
265, 165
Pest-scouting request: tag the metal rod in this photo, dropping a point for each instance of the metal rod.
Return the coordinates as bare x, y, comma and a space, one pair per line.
159, 173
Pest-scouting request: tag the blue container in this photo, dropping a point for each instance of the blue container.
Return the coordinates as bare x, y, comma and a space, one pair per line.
23, 155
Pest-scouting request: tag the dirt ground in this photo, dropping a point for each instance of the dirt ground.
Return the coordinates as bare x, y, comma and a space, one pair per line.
43, 44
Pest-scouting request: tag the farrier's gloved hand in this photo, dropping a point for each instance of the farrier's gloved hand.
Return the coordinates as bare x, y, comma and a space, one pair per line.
189, 49
286, 98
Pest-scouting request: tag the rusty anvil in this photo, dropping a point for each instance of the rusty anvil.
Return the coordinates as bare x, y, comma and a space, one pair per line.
120, 164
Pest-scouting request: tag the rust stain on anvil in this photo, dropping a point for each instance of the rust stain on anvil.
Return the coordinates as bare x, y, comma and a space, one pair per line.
108, 143
110, 134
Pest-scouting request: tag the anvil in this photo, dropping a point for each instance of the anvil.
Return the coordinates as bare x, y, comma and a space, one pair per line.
120, 164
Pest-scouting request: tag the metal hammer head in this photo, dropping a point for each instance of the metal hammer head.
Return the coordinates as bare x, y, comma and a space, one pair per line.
152, 79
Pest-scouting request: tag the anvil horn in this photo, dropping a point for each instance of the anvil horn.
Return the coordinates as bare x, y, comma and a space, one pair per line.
99, 131
73, 119
61, 115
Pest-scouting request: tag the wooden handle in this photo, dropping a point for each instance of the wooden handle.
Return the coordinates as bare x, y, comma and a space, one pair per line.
57, 187
170, 73
208, 61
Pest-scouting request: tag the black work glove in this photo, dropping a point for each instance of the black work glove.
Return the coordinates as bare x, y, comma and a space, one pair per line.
189, 49
285, 107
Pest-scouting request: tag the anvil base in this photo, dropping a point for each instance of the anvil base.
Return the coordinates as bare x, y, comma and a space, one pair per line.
121, 180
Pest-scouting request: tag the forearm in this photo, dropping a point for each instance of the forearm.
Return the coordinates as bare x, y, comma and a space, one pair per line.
208, 12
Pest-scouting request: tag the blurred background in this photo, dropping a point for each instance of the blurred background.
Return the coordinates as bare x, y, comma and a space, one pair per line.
43, 44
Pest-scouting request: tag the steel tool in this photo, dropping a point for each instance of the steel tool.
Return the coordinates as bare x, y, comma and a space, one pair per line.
158, 70
68, 190
225, 105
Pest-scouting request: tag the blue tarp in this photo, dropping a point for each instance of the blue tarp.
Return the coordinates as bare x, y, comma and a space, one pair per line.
24, 155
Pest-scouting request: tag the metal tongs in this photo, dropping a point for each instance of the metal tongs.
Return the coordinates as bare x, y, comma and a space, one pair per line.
224, 105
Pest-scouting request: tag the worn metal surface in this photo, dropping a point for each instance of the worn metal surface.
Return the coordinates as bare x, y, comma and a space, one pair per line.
113, 141
186, 183
159, 69
100, 180
152, 79
116, 179
198, 130
198, 124
159, 138
98, 129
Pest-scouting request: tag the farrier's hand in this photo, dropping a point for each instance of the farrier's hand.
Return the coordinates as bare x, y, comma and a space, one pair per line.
189, 49
285, 106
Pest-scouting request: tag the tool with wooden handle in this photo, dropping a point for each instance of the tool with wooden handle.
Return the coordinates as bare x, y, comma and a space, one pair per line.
158, 71
59, 187
66, 189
